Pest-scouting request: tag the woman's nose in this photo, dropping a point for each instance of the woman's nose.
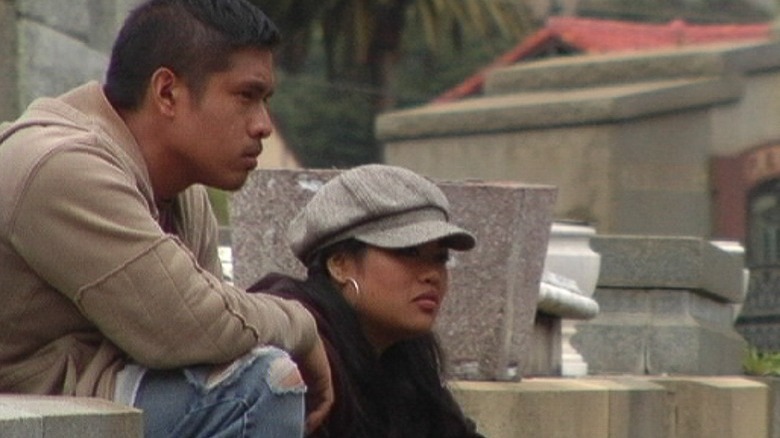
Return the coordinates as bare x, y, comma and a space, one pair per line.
435, 274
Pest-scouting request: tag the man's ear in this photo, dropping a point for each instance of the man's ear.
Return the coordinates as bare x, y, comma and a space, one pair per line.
164, 91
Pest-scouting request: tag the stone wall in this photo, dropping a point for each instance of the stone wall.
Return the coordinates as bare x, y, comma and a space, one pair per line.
667, 306
49, 47
486, 321
627, 138
623, 407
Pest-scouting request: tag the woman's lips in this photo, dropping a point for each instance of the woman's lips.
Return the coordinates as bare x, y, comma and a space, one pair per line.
428, 301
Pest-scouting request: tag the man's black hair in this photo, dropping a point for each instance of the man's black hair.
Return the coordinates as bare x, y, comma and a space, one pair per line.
193, 38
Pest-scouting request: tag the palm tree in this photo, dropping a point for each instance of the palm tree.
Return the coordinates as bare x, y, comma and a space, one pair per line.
362, 38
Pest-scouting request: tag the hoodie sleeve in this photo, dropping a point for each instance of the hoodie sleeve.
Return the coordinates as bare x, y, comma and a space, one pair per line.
81, 223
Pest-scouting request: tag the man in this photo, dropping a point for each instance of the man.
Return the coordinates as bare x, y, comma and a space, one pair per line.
109, 276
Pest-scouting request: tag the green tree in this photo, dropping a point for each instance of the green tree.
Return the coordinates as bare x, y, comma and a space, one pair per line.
360, 43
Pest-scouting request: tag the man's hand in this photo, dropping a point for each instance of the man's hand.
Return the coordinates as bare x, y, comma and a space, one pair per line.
315, 369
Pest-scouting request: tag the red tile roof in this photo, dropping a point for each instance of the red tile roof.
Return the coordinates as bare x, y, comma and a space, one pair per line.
600, 36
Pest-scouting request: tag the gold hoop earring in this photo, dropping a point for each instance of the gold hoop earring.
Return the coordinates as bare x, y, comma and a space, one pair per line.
354, 284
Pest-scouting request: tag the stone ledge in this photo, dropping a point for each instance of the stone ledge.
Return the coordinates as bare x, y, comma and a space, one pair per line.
36, 416
556, 108
618, 68
688, 263
619, 407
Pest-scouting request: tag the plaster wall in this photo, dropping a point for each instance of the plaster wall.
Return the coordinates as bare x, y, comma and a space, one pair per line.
661, 176
750, 121
614, 176
629, 139
524, 156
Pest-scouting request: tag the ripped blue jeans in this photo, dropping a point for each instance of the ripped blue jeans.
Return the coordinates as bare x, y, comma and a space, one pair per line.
259, 395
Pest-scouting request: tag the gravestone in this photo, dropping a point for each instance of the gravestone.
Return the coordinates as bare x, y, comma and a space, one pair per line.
486, 321
666, 306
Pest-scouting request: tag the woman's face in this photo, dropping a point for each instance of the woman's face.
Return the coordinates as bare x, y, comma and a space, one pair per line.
401, 290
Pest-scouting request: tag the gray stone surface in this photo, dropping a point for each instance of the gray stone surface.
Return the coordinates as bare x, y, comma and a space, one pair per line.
655, 331
669, 262
631, 67
51, 63
16, 423
623, 136
486, 321
773, 387
545, 351
8, 91
70, 18
30, 416
552, 108
666, 306
49, 47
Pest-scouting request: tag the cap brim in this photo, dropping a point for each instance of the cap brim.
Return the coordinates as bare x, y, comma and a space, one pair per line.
450, 235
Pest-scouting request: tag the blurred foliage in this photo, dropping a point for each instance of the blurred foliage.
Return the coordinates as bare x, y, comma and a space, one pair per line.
342, 62
220, 203
326, 124
354, 32
331, 123
761, 363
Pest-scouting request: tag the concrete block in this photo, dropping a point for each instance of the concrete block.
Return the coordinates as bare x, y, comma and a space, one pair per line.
721, 407
618, 407
70, 18
624, 171
15, 423
641, 66
545, 352
44, 71
549, 408
550, 109
656, 331
486, 322
669, 262
31, 416
773, 406
637, 408
690, 346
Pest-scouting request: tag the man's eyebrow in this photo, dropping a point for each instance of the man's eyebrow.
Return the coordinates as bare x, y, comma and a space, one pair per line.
261, 87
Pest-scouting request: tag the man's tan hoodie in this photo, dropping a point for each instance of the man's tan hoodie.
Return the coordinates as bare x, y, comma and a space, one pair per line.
88, 279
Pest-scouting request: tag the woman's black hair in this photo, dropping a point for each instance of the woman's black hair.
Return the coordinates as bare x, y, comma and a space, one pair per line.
399, 393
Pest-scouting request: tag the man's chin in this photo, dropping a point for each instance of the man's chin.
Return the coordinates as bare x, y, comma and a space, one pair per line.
231, 185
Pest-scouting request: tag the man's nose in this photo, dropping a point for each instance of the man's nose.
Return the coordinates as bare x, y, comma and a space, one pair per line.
261, 125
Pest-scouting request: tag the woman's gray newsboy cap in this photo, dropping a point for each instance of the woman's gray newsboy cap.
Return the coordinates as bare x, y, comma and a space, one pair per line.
381, 205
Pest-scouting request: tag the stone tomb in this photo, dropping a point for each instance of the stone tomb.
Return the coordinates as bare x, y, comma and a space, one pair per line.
486, 323
666, 306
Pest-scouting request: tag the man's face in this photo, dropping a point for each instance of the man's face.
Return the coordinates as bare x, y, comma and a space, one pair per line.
220, 133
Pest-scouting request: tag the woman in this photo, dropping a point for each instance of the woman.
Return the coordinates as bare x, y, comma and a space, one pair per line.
375, 241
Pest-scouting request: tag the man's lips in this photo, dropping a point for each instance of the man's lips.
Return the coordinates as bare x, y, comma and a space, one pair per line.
250, 156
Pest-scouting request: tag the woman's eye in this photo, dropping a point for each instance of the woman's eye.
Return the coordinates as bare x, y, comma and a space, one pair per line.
411, 251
